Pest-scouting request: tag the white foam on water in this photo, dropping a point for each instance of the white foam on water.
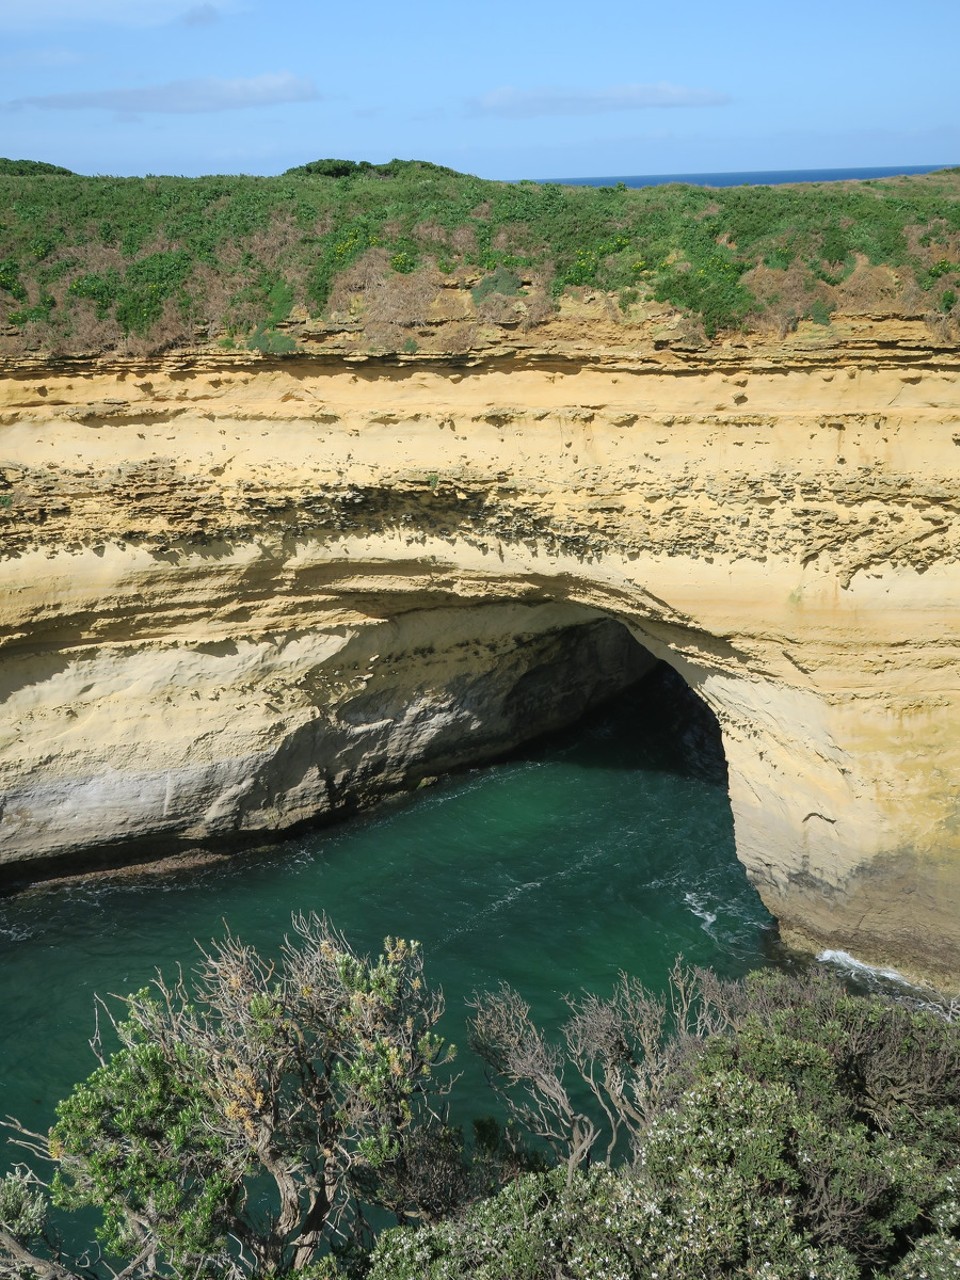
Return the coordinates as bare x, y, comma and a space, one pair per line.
16, 934
915, 995
491, 910
844, 960
701, 911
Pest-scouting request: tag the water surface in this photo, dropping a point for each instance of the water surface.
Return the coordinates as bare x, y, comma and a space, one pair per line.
608, 847
753, 177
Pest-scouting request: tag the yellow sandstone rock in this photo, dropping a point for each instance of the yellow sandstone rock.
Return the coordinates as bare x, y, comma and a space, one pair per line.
238, 594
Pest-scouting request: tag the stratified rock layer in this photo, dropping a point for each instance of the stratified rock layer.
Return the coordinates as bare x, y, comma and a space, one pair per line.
237, 595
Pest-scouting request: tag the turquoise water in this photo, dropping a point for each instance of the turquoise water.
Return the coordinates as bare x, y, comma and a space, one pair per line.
609, 847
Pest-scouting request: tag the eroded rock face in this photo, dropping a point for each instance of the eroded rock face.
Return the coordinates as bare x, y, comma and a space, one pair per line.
237, 595
163, 746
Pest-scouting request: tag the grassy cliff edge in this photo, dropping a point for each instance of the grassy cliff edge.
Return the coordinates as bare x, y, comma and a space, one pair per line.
410, 257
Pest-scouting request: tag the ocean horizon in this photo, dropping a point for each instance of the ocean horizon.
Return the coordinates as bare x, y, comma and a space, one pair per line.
750, 177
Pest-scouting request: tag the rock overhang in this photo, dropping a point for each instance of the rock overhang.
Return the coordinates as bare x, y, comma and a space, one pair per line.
779, 530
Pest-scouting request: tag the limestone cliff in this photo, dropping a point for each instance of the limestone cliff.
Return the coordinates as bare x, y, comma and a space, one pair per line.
239, 593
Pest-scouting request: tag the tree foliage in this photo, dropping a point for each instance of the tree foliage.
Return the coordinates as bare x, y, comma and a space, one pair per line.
247, 1119
780, 1127
32, 168
777, 1127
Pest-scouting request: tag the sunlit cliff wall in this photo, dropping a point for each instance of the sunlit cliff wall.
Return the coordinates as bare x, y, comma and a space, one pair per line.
238, 594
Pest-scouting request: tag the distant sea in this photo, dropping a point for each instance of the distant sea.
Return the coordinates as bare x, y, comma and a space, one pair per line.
749, 177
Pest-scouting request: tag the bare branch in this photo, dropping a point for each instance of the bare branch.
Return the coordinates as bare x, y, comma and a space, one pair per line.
44, 1268
311, 1071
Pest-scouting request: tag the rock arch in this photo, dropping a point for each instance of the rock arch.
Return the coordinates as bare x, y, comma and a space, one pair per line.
227, 561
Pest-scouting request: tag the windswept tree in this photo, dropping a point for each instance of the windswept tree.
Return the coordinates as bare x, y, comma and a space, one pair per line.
628, 1049
777, 1127
247, 1118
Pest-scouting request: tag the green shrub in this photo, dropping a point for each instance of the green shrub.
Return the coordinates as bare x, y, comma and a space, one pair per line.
500, 280
31, 168
40, 312
329, 168
102, 290
271, 343
712, 290
603, 1225
404, 262
147, 283
835, 244
779, 1128
10, 279
266, 294
690, 246
783, 1127
267, 1104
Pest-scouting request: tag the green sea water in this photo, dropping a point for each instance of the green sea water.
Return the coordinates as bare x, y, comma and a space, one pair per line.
606, 848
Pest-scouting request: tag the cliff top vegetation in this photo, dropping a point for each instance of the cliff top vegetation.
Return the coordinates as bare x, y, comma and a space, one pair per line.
404, 251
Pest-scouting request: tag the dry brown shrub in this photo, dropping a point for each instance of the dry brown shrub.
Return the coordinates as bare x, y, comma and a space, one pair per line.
230, 256
869, 290
91, 259
88, 334
498, 308
383, 338
944, 330
785, 296
233, 312
276, 248
913, 300
431, 233
463, 241
172, 330
59, 290
37, 336
235, 299
96, 258
689, 332
386, 297
514, 236
213, 291
458, 339
358, 281
538, 307
944, 243
274, 244
406, 299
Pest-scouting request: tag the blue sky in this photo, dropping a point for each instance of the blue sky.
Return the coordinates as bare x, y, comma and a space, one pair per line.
506, 89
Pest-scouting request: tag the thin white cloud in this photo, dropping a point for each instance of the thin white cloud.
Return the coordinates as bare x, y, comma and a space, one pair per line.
201, 15
39, 59
182, 97
555, 101
18, 15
